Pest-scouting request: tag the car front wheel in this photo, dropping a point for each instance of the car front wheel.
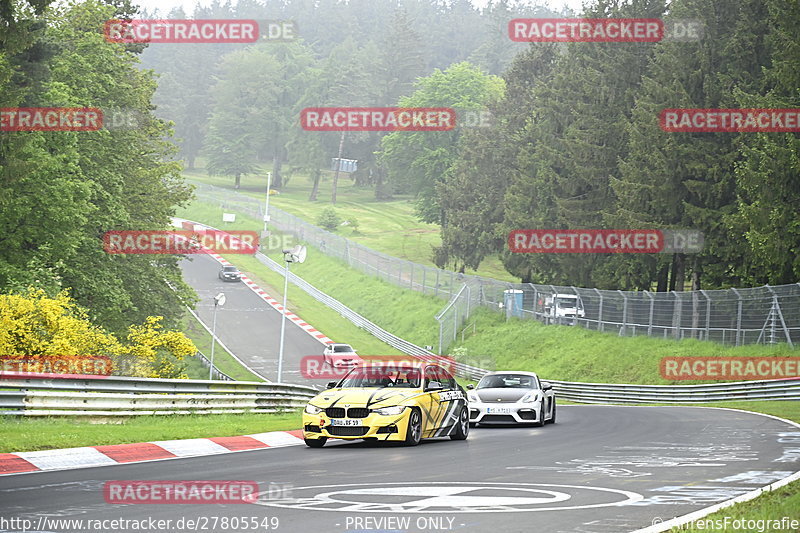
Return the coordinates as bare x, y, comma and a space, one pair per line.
414, 430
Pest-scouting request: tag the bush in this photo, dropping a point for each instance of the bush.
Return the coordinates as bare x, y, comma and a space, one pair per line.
353, 223
329, 219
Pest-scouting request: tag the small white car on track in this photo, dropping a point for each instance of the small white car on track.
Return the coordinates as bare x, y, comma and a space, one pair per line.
511, 398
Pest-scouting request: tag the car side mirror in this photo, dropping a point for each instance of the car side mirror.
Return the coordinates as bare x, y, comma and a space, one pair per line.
331, 384
470, 386
546, 385
434, 386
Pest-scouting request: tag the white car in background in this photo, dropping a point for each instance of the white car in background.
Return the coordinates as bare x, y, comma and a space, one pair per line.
340, 355
511, 398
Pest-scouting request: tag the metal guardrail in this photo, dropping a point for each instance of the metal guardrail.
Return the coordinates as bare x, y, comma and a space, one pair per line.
757, 315
404, 346
216, 373
575, 391
120, 396
783, 389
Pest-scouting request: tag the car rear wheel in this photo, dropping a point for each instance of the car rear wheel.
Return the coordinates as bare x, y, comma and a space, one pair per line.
316, 443
414, 430
462, 426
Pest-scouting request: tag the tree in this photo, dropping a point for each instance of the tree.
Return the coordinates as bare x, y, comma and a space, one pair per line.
417, 160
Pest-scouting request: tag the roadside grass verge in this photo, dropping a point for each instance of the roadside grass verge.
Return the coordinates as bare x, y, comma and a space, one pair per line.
568, 353
19, 434
387, 226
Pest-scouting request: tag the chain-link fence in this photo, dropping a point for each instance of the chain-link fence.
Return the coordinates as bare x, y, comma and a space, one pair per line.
762, 315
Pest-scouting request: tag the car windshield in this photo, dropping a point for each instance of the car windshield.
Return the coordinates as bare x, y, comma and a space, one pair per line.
230, 269
342, 348
382, 376
567, 302
507, 381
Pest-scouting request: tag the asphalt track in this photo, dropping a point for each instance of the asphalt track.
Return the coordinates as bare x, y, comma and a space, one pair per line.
247, 325
600, 469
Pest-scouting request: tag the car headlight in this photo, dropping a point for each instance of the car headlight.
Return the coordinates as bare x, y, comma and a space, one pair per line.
389, 411
471, 396
530, 397
313, 409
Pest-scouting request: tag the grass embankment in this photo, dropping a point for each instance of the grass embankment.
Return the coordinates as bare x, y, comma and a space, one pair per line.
386, 226
558, 352
30, 434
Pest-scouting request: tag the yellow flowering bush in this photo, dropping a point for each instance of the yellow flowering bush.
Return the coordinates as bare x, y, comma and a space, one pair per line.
34, 327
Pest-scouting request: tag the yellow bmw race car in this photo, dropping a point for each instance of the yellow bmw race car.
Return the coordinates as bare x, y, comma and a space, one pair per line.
393, 402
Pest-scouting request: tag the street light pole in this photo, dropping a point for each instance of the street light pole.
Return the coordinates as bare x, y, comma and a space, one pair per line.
219, 300
266, 202
295, 255
283, 319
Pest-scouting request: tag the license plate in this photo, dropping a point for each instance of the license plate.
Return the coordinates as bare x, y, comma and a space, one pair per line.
345, 421
498, 410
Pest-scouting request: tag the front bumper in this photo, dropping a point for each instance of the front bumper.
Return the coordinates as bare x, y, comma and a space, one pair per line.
392, 428
504, 412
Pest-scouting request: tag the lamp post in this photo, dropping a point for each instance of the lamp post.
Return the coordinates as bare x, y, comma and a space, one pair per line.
266, 203
219, 301
295, 255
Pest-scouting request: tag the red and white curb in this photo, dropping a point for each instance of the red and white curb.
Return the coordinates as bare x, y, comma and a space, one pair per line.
93, 456
311, 330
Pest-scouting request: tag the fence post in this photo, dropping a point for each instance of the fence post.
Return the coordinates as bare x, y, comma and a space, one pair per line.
650, 319
452, 274
411, 282
424, 275
600, 325
535, 299
624, 313
738, 315
676, 315
436, 288
708, 313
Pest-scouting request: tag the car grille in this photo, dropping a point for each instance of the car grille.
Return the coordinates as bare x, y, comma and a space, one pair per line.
311, 429
335, 412
358, 412
387, 429
527, 415
473, 413
499, 418
347, 431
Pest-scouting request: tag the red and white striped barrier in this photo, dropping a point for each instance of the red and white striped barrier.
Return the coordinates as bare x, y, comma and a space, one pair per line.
92, 456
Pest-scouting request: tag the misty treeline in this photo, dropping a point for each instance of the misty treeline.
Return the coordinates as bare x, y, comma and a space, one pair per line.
573, 142
577, 144
60, 191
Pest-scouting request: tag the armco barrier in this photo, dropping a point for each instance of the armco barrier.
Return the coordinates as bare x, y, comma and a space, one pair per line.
579, 392
122, 396
782, 389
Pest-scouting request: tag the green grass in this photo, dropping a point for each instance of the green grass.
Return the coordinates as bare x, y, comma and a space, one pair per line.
388, 226
222, 359
30, 434
558, 352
